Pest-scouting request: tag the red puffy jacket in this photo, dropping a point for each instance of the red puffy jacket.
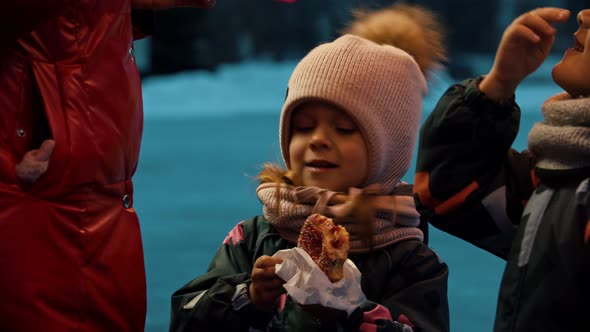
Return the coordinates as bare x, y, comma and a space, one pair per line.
71, 255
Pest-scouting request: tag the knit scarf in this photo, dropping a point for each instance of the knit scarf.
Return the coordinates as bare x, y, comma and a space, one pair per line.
396, 218
562, 140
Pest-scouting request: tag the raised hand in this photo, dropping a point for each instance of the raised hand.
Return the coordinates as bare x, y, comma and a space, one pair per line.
266, 286
35, 162
525, 44
166, 4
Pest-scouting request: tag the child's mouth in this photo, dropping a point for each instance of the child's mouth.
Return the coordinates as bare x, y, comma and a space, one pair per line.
320, 164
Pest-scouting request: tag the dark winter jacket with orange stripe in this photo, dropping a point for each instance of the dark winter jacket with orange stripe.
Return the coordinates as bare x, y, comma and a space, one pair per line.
407, 280
471, 184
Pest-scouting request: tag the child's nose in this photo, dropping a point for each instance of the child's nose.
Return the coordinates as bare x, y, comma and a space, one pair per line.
581, 35
320, 139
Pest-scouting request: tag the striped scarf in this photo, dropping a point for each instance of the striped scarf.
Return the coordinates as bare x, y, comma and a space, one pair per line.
286, 208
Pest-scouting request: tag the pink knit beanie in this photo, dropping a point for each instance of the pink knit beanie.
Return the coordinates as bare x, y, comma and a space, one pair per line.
380, 86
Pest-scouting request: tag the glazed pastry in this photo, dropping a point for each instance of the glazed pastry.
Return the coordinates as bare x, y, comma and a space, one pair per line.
326, 243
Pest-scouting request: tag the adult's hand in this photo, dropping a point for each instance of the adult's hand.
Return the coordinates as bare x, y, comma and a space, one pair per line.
525, 44
166, 4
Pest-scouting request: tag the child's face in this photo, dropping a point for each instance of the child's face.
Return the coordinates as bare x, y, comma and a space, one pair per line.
327, 149
572, 73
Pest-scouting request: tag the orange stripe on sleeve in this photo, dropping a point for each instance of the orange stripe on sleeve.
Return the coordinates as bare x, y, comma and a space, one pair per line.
535, 179
587, 233
456, 200
421, 187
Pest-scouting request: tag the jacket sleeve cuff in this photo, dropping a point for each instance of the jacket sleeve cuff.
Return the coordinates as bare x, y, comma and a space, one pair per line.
372, 317
242, 304
475, 98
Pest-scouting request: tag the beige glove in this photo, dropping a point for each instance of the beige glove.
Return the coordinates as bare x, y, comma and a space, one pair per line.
35, 162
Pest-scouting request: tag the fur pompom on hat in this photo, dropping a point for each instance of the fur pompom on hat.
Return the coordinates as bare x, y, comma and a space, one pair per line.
380, 86
415, 29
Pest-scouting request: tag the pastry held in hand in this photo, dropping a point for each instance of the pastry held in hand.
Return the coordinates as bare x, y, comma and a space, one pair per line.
306, 284
326, 243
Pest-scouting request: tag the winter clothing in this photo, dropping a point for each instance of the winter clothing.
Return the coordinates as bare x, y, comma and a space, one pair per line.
407, 278
562, 140
381, 87
70, 245
534, 212
396, 220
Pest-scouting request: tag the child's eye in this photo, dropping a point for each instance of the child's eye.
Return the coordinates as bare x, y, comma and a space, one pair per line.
346, 130
303, 129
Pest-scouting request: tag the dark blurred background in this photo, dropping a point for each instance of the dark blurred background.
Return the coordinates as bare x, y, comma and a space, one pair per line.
237, 30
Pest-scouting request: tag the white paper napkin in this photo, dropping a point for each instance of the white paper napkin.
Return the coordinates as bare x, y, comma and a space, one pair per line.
306, 283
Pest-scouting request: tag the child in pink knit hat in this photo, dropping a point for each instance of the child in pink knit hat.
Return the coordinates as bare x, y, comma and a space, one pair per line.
531, 208
347, 132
